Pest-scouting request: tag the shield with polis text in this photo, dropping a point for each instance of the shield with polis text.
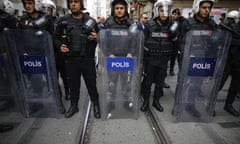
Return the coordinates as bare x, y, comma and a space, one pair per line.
204, 58
119, 72
31, 53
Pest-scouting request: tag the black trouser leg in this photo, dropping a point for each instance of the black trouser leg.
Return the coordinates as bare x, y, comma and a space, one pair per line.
74, 73
89, 75
61, 69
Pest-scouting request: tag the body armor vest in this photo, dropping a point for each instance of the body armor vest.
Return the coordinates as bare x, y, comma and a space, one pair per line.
208, 24
78, 41
112, 24
158, 40
120, 42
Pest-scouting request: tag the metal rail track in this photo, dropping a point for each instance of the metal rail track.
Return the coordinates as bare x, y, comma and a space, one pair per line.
158, 131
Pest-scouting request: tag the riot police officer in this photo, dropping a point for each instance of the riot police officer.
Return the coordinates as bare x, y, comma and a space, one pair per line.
200, 21
159, 44
119, 19
76, 34
233, 63
34, 18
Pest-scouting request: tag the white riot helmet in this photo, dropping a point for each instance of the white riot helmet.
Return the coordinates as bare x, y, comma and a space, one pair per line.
166, 4
234, 15
7, 6
196, 5
48, 4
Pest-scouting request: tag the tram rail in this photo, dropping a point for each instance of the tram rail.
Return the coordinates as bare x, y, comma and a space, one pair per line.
157, 129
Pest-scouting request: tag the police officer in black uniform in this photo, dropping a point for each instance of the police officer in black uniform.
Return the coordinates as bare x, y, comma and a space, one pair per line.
159, 44
119, 19
200, 21
233, 63
76, 34
34, 18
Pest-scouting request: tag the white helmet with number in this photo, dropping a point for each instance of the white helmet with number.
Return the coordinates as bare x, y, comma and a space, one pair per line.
7, 6
166, 4
234, 14
196, 4
48, 4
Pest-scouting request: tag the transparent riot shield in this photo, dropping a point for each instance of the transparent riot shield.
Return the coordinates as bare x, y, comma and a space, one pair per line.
119, 75
205, 54
8, 94
32, 54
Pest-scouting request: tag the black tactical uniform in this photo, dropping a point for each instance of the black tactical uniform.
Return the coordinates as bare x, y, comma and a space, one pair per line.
159, 45
79, 60
233, 68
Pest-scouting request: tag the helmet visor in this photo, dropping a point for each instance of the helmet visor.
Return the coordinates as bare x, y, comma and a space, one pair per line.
165, 9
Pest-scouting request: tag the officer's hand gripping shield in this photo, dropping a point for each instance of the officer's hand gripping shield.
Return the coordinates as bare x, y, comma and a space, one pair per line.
204, 58
119, 75
31, 52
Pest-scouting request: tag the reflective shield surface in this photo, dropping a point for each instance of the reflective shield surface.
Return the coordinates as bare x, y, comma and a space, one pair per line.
32, 54
118, 73
205, 54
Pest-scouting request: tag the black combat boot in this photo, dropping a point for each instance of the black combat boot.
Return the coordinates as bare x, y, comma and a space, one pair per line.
96, 110
145, 105
72, 110
157, 105
229, 108
158, 92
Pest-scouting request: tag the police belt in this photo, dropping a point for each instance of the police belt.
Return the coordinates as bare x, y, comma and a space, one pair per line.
159, 53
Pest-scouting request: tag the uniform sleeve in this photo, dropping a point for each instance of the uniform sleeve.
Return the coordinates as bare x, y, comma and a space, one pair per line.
58, 34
